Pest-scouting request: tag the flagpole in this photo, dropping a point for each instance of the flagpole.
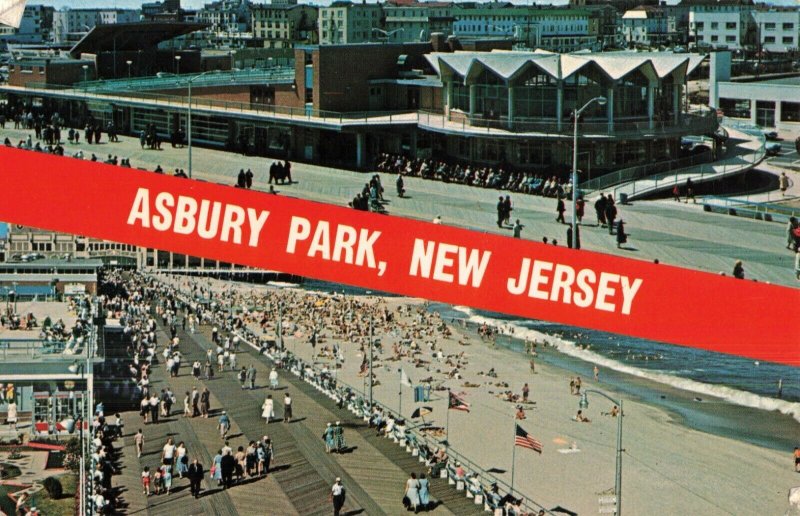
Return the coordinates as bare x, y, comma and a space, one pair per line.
513, 457
447, 422
400, 409
371, 338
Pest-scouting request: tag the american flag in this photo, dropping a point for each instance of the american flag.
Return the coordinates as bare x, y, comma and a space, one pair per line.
457, 403
525, 440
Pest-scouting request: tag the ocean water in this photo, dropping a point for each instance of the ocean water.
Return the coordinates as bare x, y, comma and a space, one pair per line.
712, 392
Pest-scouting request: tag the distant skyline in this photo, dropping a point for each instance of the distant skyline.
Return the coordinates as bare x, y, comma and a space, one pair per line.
195, 4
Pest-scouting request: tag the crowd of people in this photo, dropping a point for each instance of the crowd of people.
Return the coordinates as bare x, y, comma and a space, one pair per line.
498, 178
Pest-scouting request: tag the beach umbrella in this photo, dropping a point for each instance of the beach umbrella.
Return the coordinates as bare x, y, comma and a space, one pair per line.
421, 412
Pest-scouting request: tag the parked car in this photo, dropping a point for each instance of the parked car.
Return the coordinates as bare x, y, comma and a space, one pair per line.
773, 148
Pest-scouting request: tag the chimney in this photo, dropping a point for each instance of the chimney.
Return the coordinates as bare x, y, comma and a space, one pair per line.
438, 42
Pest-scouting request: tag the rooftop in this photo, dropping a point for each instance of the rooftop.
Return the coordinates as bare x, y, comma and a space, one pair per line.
560, 66
131, 36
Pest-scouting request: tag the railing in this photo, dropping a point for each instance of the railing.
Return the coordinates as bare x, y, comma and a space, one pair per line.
291, 113
282, 74
705, 172
767, 211
339, 390
632, 173
695, 122
11, 349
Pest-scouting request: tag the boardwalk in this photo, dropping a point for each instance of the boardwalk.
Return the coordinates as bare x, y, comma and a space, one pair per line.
373, 472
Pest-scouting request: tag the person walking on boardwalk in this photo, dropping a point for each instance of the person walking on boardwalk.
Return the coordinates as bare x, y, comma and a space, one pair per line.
269, 453
205, 402
268, 409
338, 435
424, 492
600, 210
228, 466
560, 209
243, 377
287, 408
216, 468
611, 214
195, 474
412, 493
195, 402
337, 496
138, 440
329, 437
251, 376
273, 379
224, 425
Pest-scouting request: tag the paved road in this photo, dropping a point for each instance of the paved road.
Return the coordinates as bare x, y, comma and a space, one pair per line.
675, 233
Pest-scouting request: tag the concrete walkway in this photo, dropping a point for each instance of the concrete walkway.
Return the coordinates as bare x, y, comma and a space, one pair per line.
746, 153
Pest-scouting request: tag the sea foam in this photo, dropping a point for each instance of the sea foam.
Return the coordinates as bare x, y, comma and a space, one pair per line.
568, 347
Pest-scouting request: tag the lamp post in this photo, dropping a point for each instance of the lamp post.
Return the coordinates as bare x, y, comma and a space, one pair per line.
601, 101
189, 82
177, 65
233, 53
16, 295
129, 63
584, 403
85, 72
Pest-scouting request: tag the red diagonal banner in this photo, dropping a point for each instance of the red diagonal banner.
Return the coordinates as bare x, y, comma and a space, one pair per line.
393, 254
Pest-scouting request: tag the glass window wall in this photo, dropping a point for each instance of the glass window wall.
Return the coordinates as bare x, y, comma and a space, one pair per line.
535, 96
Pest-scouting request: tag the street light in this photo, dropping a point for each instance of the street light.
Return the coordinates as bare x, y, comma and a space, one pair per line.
189, 82
177, 65
233, 53
601, 101
85, 72
129, 63
584, 403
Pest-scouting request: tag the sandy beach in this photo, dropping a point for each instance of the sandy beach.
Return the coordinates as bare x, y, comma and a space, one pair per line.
667, 467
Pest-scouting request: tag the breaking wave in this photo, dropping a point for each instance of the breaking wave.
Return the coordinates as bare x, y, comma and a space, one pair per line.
568, 347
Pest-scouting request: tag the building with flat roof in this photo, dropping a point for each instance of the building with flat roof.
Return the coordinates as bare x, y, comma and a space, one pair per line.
449, 99
555, 29
285, 25
345, 22
778, 29
773, 103
649, 26
34, 27
416, 21
70, 25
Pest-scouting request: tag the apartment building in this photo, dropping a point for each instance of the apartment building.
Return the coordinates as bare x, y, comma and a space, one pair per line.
649, 26
778, 29
283, 25
723, 24
226, 16
417, 21
345, 22
70, 25
557, 29
34, 27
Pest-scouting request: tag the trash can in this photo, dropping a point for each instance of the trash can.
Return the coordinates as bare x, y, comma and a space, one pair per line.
623, 198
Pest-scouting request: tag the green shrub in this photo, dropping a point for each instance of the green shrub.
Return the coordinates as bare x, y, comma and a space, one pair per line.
53, 487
